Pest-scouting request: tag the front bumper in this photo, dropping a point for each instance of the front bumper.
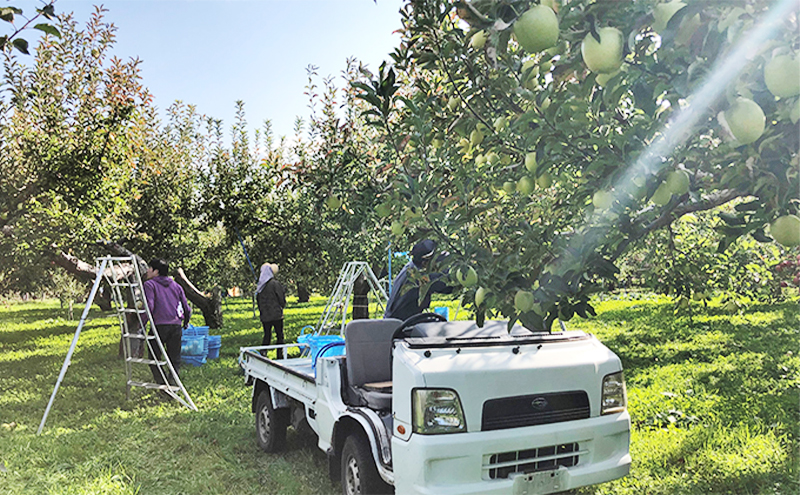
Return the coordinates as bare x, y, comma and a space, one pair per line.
480, 462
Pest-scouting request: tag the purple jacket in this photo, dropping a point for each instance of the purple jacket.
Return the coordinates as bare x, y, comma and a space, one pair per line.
166, 301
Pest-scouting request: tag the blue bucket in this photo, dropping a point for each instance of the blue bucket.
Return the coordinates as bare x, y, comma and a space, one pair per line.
214, 344
444, 311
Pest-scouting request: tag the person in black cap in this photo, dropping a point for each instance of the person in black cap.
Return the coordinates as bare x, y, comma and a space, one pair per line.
404, 299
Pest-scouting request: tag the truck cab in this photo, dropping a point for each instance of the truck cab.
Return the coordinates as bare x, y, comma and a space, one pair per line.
437, 407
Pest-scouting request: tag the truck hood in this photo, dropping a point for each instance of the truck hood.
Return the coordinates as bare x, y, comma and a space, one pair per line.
513, 372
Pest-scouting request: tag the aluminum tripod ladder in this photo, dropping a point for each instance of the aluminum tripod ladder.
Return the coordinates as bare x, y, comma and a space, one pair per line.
125, 282
338, 304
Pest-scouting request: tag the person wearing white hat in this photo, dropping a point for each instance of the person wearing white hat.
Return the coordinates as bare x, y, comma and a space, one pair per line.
271, 297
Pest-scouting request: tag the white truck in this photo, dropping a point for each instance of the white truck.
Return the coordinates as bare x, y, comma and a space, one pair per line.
435, 407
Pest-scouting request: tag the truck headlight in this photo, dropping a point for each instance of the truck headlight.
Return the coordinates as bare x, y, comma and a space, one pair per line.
437, 410
614, 396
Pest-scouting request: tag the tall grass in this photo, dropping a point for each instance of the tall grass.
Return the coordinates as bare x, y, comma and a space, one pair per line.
714, 402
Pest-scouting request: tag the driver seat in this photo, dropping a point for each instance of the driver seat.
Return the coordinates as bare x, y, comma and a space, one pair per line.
369, 362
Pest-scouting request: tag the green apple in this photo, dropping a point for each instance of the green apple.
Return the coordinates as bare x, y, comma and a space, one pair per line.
699, 296
509, 187
544, 181
436, 143
604, 57
453, 103
383, 210
728, 21
475, 137
480, 295
786, 230
500, 123
683, 302
478, 40
467, 278
480, 160
746, 120
398, 228
525, 186
663, 12
677, 182
523, 301
687, 29
731, 306
794, 113
537, 29
530, 161
545, 103
782, 75
662, 195
333, 202
550, 3
602, 79
602, 200
492, 158
529, 77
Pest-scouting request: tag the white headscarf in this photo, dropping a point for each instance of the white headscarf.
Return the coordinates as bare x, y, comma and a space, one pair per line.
267, 272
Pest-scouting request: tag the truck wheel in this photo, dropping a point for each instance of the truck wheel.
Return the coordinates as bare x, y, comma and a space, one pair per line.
359, 474
271, 424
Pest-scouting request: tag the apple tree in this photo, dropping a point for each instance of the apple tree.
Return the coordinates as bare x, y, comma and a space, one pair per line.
65, 128
537, 142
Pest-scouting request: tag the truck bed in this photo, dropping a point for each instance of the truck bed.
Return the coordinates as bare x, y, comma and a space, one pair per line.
291, 376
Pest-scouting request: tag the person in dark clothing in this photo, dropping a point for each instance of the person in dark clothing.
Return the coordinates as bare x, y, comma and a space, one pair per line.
271, 297
170, 312
404, 299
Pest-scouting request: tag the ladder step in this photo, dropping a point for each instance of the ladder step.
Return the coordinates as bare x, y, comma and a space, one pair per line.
132, 310
174, 388
138, 336
118, 284
145, 361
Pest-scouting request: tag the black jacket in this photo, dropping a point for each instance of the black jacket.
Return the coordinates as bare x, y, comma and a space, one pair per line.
404, 300
271, 301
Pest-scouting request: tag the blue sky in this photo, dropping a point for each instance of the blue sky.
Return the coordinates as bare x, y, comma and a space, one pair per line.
212, 52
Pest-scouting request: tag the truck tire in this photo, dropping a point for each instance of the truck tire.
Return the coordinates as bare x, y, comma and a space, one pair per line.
271, 423
359, 474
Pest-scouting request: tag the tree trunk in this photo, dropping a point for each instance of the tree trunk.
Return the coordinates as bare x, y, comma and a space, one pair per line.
209, 304
85, 273
302, 294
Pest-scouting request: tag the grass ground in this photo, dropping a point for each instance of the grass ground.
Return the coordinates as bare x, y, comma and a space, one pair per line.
714, 401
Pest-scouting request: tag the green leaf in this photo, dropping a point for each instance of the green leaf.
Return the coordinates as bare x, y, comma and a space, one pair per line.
49, 11
760, 236
7, 13
731, 219
48, 29
21, 45
749, 206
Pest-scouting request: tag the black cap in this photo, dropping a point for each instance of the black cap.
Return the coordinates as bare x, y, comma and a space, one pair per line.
423, 250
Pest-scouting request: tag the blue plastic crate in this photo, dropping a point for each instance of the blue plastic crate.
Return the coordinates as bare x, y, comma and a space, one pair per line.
214, 344
193, 360
193, 345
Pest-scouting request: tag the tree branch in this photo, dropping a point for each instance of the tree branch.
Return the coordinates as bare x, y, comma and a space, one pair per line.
718, 198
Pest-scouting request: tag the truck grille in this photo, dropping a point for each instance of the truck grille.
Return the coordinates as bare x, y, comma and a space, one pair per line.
537, 409
502, 465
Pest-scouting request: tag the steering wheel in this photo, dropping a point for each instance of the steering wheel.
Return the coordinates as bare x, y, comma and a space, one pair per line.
403, 330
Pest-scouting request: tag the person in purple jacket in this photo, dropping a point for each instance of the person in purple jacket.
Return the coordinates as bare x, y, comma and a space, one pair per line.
170, 313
